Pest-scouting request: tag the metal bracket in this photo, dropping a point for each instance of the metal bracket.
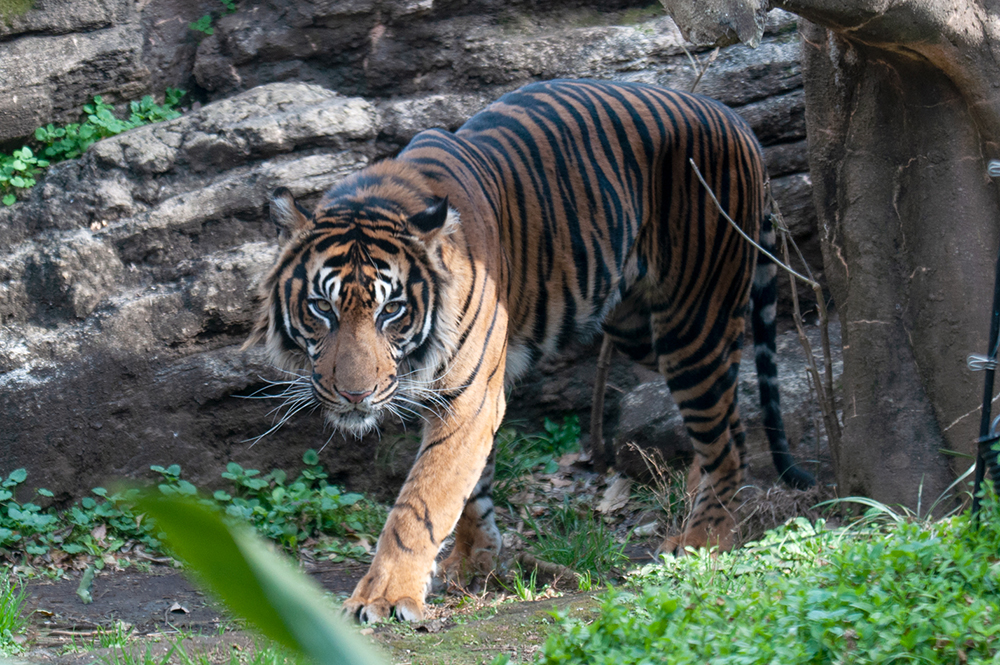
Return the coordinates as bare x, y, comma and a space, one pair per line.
978, 363
993, 436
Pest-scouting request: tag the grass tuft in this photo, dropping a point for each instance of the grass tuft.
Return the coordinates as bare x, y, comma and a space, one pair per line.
12, 620
573, 536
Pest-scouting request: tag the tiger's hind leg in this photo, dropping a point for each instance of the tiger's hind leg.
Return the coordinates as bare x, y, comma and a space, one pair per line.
703, 381
477, 538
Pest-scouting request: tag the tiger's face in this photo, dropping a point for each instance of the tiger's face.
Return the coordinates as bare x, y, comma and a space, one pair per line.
349, 306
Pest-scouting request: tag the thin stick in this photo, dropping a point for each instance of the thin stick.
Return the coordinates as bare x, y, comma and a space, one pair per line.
699, 69
824, 318
828, 403
743, 233
829, 415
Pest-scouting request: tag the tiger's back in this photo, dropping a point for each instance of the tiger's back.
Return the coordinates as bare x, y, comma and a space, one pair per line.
594, 182
563, 209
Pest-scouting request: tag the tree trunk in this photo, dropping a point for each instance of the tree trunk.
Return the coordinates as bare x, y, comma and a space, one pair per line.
902, 116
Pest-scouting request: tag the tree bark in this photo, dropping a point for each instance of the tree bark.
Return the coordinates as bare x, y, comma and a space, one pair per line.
903, 114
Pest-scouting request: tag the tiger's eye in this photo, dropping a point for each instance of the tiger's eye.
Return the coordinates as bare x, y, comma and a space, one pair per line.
323, 305
392, 307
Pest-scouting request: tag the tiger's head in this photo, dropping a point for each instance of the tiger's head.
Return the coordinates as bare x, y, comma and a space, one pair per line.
350, 304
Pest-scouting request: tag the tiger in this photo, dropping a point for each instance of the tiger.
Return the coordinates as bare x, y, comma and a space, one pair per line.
425, 283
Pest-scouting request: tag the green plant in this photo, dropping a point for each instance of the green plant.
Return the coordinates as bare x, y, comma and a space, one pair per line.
90, 526
308, 507
100, 121
204, 24
12, 620
305, 510
115, 636
526, 589
19, 170
517, 455
122, 655
906, 590
573, 536
254, 581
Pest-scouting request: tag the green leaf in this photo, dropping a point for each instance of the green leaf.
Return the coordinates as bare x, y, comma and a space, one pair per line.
9, 200
311, 457
16, 477
86, 582
45, 492
204, 24
255, 582
186, 488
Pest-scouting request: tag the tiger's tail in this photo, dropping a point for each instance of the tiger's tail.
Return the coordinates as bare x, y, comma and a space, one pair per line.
763, 303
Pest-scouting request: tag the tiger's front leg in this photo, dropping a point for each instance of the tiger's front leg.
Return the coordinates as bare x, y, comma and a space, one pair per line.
440, 485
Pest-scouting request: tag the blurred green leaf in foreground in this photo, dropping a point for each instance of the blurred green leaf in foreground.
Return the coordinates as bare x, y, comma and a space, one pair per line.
254, 582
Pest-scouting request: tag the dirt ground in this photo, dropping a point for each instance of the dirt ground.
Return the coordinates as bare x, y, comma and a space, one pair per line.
161, 608
157, 606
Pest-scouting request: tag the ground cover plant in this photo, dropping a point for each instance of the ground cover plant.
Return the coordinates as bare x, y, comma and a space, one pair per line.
304, 513
20, 169
896, 590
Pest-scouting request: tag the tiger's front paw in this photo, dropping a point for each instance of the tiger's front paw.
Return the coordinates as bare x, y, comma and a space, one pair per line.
380, 596
372, 610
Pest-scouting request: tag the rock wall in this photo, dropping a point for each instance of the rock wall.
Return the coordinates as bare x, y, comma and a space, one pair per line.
125, 275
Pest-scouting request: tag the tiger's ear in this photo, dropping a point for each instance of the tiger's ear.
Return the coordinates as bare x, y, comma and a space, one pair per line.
287, 216
435, 219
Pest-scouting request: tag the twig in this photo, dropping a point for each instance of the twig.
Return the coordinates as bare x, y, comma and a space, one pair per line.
743, 233
824, 390
698, 67
824, 319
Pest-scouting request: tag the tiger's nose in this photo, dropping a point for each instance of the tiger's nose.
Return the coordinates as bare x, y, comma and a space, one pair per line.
352, 396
